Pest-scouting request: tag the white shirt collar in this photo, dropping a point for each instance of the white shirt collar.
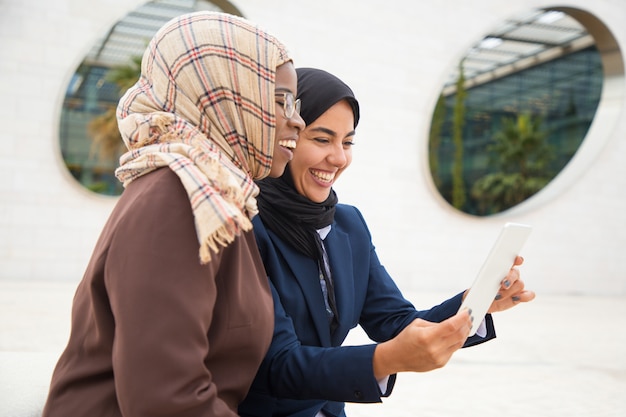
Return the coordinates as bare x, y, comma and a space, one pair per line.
324, 231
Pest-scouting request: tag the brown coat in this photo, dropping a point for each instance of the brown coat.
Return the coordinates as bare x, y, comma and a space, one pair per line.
154, 333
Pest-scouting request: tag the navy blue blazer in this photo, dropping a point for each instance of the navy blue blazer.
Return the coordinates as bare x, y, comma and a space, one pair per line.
304, 370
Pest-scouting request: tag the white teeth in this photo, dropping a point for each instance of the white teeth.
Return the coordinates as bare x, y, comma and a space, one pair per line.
287, 143
324, 176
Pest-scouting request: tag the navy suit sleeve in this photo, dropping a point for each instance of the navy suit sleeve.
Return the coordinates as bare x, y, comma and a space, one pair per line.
385, 311
342, 373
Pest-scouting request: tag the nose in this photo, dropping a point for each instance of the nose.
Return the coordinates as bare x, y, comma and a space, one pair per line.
337, 155
296, 121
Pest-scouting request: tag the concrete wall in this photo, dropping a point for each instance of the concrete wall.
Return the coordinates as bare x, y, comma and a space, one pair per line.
396, 55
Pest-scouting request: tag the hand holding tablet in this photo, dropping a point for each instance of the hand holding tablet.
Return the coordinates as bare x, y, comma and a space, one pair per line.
497, 265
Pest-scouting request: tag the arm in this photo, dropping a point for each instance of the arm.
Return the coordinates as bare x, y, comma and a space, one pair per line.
410, 340
424, 346
295, 371
163, 301
426, 342
385, 312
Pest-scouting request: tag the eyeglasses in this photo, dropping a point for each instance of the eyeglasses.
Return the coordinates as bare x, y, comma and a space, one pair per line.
291, 106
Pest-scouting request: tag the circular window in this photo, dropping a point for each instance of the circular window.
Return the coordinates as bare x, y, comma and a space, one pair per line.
90, 142
517, 108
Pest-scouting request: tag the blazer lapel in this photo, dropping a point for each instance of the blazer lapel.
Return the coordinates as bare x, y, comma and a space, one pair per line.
340, 259
306, 273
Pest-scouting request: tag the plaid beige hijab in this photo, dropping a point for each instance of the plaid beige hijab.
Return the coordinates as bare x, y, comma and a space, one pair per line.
204, 107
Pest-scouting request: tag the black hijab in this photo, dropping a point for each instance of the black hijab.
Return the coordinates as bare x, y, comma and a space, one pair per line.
319, 90
293, 217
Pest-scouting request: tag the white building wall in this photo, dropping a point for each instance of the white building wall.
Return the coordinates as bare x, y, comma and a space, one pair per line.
396, 55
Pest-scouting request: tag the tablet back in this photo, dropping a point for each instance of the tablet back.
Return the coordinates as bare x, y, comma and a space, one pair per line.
500, 259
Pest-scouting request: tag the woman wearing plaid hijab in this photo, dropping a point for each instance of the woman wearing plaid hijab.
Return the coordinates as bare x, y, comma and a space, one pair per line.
174, 313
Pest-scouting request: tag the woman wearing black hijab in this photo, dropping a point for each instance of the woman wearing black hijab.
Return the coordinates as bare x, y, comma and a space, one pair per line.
326, 279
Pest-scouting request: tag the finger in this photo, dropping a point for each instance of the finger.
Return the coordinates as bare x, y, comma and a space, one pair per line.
513, 288
510, 279
523, 296
461, 322
518, 261
516, 286
511, 300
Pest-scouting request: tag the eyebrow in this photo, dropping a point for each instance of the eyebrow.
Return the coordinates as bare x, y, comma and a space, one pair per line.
283, 89
330, 132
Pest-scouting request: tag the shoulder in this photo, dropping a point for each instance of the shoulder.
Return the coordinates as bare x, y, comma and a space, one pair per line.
349, 220
152, 200
158, 191
350, 215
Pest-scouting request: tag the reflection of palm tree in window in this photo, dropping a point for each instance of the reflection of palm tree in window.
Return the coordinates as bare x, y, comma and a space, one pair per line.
106, 139
520, 164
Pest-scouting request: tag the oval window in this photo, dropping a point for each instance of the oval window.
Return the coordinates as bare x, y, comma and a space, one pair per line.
90, 142
515, 111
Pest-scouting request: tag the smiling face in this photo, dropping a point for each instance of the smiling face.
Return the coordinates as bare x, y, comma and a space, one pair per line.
324, 151
286, 129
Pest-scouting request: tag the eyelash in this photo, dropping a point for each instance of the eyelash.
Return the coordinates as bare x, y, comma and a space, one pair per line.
324, 140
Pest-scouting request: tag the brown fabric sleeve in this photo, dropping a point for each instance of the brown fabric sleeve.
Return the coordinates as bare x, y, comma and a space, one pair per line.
163, 303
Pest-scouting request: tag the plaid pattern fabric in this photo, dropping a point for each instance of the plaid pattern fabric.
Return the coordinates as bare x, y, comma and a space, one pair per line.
204, 107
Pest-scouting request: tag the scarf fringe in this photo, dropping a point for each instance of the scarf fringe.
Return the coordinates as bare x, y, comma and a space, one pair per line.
222, 237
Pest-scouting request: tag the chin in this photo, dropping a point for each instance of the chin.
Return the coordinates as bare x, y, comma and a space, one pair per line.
320, 198
275, 173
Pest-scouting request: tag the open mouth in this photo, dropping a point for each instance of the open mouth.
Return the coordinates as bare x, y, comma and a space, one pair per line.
287, 143
322, 176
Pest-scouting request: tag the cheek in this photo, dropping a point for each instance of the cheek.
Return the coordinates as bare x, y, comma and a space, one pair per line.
276, 141
297, 172
301, 159
280, 124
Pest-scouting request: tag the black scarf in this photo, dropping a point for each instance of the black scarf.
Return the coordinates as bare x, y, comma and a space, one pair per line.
295, 219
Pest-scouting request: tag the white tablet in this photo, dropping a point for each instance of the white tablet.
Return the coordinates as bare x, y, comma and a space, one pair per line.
497, 265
